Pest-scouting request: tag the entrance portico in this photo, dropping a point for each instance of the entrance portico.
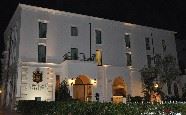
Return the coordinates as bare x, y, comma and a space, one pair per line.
82, 89
119, 90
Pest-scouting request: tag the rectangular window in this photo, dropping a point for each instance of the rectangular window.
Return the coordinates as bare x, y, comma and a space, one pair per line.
74, 53
98, 37
127, 40
153, 50
129, 60
147, 41
149, 60
38, 98
157, 59
42, 30
164, 45
41, 53
99, 57
57, 82
74, 31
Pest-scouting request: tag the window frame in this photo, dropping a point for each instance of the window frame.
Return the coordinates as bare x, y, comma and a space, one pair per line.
129, 59
164, 45
73, 30
76, 57
41, 61
149, 61
45, 33
99, 60
147, 43
127, 41
98, 42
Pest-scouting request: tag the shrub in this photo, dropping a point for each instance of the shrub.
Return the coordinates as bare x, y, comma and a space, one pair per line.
63, 93
96, 108
136, 99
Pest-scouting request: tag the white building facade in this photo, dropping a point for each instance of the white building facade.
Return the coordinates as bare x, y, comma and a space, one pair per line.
45, 47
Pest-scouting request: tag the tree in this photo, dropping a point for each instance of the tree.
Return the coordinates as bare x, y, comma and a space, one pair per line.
63, 93
164, 71
168, 71
149, 76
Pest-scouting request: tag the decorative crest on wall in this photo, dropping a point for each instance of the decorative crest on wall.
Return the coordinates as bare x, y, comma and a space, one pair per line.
37, 76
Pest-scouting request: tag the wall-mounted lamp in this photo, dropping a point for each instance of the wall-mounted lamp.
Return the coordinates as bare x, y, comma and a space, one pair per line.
130, 67
93, 81
71, 81
156, 85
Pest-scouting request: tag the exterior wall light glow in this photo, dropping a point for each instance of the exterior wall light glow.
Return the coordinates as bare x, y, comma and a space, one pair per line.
49, 83
126, 33
156, 85
71, 81
129, 24
106, 65
93, 81
130, 67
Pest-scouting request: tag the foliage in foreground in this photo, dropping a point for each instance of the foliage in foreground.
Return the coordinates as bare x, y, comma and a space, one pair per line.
63, 93
96, 108
163, 72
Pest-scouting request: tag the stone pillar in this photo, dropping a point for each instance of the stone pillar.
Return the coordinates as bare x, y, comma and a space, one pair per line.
136, 83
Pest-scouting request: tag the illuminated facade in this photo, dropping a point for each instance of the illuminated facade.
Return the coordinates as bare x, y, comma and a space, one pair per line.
96, 56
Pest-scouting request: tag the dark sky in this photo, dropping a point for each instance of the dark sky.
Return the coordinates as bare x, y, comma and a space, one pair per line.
165, 14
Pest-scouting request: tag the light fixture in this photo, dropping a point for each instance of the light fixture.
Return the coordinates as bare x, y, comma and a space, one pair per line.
156, 85
71, 81
130, 67
130, 52
95, 81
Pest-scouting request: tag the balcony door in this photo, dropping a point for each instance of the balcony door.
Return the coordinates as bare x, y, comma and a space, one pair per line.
74, 53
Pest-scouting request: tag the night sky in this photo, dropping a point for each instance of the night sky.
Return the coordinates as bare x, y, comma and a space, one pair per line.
165, 14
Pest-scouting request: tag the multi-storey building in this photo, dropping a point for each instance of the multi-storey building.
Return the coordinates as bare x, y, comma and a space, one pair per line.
95, 55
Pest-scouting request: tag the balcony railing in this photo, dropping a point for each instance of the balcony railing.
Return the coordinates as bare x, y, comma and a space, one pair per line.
81, 57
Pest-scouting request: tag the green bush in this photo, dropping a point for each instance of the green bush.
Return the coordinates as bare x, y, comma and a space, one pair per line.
96, 108
136, 99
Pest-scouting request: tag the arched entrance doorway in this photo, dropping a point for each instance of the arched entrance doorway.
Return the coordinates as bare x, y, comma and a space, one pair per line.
118, 90
82, 89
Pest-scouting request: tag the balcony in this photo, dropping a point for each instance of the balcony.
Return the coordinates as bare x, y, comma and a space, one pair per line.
80, 57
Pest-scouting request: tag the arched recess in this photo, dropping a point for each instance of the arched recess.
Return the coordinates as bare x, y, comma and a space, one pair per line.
119, 89
82, 89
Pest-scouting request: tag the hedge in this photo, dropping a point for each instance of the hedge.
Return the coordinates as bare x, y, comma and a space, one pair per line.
96, 108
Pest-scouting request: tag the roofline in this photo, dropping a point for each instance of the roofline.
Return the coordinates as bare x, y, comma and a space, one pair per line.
55, 12
13, 16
